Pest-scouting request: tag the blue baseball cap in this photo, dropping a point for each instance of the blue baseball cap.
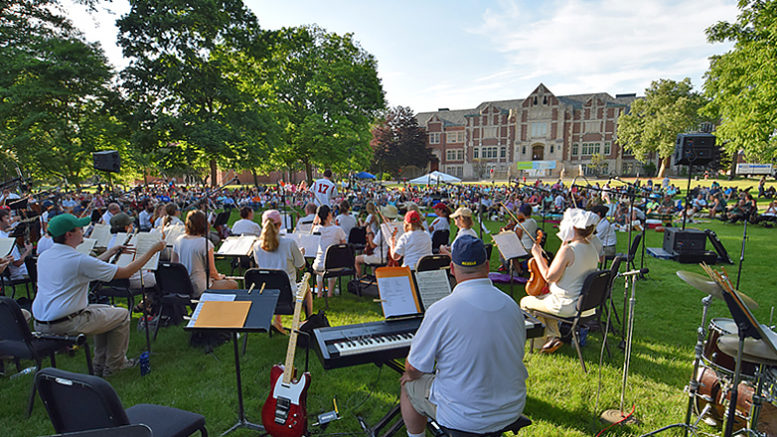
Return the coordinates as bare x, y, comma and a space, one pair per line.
468, 251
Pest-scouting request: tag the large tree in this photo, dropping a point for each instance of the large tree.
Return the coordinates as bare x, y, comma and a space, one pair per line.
653, 122
399, 141
327, 94
191, 107
56, 97
741, 81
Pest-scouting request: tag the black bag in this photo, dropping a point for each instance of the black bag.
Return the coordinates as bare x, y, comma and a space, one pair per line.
313, 321
367, 286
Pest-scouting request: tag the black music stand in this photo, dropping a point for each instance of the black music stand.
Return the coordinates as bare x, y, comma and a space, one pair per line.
258, 320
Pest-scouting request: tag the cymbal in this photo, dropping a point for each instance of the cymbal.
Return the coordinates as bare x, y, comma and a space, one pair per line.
704, 284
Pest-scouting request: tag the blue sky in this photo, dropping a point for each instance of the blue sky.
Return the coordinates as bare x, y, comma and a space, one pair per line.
457, 54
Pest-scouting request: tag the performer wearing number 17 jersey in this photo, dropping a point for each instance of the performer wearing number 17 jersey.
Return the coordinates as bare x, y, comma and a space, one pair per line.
324, 190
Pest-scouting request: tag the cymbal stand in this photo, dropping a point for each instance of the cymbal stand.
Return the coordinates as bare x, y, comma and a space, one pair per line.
732, 406
693, 385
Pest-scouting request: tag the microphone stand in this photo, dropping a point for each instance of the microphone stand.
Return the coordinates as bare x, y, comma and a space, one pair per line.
742, 251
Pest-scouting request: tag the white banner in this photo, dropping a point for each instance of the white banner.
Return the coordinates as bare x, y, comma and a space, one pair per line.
764, 169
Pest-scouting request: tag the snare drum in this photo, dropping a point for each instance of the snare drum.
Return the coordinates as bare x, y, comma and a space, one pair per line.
716, 358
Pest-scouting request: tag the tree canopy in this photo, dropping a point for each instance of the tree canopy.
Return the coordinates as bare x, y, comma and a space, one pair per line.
741, 81
668, 108
398, 141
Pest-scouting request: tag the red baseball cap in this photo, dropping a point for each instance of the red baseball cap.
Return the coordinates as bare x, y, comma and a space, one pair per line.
412, 217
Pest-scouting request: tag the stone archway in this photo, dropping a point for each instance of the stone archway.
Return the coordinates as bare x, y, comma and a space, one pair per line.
538, 152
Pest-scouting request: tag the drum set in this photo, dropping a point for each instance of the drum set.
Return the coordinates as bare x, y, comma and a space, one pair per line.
715, 371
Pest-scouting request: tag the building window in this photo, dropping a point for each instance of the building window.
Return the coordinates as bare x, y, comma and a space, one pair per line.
450, 155
475, 152
460, 154
544, 100
455, 137
591, 148
606, 148
523, 150
434, 138
574, 149
539, 130
551, 148
503, 152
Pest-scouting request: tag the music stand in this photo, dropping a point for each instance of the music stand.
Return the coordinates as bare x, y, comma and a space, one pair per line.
222, 218
258, 320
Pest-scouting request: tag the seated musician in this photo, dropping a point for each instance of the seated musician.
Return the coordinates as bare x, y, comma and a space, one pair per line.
122, 222
377, 244
465, 367
246, 225
61, 304
331, 234
189, 250
462, 218
413, 243
576, 258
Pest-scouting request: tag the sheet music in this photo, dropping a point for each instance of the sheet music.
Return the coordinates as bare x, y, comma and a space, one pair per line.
396, 295
509, 245
389, 228
433, 285
303, 228
237, 246
6, 246
143, 243
308, 241
126, 258
102, 234
172, 233
85, 247
208, 297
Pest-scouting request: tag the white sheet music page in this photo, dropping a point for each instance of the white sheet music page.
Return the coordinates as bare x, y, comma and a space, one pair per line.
433, 285
102, 234
144, 242
388, 230
396, 296
237, 246
6, 246
85, 247
172, 233
308, 241
509, 245
208, 297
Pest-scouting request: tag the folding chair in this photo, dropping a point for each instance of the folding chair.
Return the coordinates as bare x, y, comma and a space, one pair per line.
433, 262
16, 340
338, 262
119, 288
272, 279
12, 283
77, 402
593, 295
440, 238
175, 290
514, 427
357, 238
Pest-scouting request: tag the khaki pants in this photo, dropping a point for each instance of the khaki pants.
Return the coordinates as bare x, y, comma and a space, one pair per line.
110, 327
529, 303
418, 392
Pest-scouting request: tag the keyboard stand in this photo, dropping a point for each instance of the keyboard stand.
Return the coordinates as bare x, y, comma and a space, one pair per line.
386, 420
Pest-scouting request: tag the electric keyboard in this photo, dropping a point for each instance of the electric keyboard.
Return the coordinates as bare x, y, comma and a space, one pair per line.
377, 342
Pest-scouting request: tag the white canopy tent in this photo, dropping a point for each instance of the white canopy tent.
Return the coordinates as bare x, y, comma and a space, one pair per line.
435, 177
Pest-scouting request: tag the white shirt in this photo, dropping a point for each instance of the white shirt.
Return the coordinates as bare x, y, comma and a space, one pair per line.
606, 233
106, 218
346, 222
145, 220
565, 291
287, 257
412, 246
529, 232
245, 226
19, 272
44, 243
329, 235
440, 224
476, 337
63, 281
324, 191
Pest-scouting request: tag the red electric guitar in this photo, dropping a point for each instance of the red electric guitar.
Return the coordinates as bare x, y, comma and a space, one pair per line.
284, 413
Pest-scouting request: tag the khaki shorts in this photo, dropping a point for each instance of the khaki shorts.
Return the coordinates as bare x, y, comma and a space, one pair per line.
418, 393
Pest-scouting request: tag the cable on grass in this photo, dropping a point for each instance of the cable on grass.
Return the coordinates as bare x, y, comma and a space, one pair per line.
633, 407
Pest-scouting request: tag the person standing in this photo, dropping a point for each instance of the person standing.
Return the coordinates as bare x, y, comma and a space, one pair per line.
61, 305
324, 190
465, 367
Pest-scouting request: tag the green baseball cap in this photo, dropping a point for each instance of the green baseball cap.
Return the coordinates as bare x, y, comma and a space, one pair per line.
64, 223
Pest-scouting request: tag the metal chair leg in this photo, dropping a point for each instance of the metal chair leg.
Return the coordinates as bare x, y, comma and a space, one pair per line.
576, 341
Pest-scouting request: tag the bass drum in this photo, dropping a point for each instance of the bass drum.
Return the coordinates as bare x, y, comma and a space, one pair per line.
716, 358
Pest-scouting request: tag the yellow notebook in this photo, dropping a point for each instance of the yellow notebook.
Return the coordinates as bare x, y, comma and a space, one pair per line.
216, 314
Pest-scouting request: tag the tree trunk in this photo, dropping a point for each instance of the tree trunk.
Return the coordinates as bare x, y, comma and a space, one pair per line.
662, 168
213, 170
256, 178
309, 173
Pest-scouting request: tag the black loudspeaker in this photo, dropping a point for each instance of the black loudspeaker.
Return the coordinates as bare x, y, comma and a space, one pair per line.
678, 241
107, 161
694, 149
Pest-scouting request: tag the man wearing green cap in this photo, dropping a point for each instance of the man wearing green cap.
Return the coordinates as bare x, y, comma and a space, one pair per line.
62, 305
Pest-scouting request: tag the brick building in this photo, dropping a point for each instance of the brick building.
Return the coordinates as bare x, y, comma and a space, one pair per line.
494, 136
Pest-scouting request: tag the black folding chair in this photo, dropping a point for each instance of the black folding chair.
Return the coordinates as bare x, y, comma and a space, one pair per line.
19, 342
13, 283
338, 262
433, 262
593, 295
272, 279
175, 291
357, 238
119, 288
514, 427
77, 402
440, 238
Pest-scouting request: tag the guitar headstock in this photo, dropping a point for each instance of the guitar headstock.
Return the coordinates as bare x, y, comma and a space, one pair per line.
303, 287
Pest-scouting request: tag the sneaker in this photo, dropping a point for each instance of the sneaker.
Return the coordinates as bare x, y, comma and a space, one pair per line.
129, 364
99, 370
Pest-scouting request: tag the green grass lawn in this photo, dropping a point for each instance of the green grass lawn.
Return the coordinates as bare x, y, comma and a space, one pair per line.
561, 398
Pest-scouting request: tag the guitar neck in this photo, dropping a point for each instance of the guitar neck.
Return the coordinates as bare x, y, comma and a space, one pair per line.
288, 369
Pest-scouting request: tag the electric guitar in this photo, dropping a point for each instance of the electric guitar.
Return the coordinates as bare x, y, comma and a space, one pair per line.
284, 412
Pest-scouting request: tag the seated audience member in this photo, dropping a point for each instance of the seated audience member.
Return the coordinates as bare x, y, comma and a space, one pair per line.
330, 235
344, 219
565, 275
61, 305
770, 214
273, 251
414, 242
446, 376
246, 225
190, 250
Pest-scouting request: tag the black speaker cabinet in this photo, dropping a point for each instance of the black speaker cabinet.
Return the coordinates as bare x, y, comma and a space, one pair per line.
706, 256
694, 149
107, 161
678, 241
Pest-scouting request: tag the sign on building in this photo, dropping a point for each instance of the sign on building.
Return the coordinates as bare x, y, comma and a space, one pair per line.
754, 169
536, 165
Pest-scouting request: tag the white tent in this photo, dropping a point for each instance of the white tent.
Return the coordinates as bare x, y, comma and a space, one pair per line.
435, 177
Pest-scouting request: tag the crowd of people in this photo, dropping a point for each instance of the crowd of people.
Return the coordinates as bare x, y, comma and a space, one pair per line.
475, 320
